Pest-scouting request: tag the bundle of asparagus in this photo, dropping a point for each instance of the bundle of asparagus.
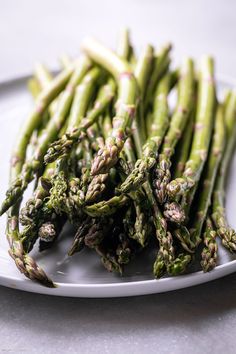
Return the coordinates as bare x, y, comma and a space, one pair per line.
108, 154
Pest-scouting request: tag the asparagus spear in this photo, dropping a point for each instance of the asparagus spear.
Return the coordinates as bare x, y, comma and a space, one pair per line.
202, 135
44, 78
42, 74
161, 64
177, 125
143, 70
182, 150
31, 215
210, 250
159, 267
179, 265
209, 175
34, 213
78, 242
226, 233
125, 108
18, 186
106, 207
23, 261
123, 44
140, 226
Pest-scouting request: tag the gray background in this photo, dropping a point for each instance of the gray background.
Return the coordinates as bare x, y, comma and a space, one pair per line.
196, 320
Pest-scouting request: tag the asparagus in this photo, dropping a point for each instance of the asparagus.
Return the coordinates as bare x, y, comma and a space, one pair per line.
33, 87
65, 144
44, 78
23, 261
161, 64
78, 242
226, 233
151, 147
66, 195
109, 260
106, 207
159, 267
97, 232
209, 175
177, 125
164, 238
123, 250
18, 186
125, 107
202, 134
123, 45
96, 188
179, 265
183, 235
210, 250
99, 182
173, 212
182, 150
49, 232
143, 70
140, 227
42, 75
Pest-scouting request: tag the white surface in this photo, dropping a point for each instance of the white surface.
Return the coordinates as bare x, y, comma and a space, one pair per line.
83, 275
196, 320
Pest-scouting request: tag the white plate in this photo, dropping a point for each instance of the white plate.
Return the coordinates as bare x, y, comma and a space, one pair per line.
83, 275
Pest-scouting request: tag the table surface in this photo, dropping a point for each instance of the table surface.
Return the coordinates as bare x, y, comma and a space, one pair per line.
194, 320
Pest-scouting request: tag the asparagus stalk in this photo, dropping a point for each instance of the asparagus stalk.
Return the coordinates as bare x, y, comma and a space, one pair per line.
42, 74
123, 45
161, 64
226, 233
140, 227
143, 70
23, 261
125, 108
31, 215
177, 125
201, 139
182, 150
106, 207
209, 175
